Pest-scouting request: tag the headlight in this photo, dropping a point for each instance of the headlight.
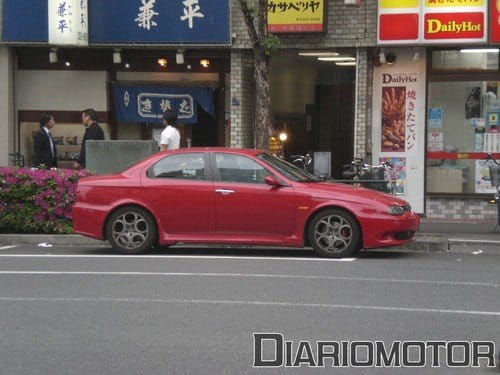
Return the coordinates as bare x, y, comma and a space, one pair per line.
397, 210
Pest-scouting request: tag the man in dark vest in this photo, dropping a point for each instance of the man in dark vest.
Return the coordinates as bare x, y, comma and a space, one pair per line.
92, 132
45, 147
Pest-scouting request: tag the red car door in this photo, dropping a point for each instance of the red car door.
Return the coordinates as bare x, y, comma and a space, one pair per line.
245, 204
181, 194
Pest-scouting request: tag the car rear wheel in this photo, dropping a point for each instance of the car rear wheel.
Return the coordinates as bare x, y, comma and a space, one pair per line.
334, 233
131, 230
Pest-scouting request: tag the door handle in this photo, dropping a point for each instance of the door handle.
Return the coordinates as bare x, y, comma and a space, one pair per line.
224, 191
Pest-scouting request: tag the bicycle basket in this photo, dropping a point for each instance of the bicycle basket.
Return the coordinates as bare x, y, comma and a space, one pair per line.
495, 175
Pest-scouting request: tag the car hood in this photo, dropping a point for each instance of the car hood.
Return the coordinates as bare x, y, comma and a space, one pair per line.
332, 190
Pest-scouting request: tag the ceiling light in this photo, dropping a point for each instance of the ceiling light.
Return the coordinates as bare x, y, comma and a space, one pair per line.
53, 55
205, 63
346, 63
318, 54
479, 50
339, 58
283, 136
162, 62
117, 56
179, 57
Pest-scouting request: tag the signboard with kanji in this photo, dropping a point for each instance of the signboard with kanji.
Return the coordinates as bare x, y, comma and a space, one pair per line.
295, 16
398, 131
68, 22
146, 104
141, 22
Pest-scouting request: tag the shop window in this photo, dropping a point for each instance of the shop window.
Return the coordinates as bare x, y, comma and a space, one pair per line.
455, 60
462, 122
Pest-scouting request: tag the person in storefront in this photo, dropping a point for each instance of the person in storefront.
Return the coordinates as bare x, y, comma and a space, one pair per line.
170, 137
45, 147
93, 131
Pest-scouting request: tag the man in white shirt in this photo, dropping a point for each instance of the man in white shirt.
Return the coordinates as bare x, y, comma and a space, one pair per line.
170, 137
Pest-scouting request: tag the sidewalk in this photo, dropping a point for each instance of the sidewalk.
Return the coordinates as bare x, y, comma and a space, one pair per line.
433, 236
454, 236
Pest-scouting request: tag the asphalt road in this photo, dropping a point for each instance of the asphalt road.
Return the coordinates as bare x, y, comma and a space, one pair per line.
194, 311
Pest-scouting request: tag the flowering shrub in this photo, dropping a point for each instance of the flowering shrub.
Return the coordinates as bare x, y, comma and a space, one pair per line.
37, 201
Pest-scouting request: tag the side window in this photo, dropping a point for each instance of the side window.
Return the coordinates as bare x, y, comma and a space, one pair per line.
181, 166
237, 168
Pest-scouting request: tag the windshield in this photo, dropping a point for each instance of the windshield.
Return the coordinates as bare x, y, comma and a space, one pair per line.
288, 170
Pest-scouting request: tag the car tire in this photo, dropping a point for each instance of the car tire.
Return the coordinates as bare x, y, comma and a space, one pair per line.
334, 233
131, 230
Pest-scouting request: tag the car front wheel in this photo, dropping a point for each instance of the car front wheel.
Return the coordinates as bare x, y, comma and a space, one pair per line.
131, 230
334, 233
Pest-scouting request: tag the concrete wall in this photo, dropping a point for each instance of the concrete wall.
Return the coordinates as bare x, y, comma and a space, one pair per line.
7, 119
61, 90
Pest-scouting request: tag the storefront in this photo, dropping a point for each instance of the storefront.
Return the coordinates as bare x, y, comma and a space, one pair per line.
451, 113
128, 65
312, 90
312, 97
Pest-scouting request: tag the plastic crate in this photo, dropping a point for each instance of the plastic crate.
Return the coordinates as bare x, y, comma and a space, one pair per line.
495, 175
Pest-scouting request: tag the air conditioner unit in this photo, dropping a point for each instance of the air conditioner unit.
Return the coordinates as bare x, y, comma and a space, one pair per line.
356, 3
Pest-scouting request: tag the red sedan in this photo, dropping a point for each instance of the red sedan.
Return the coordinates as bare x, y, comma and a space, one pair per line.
236, 196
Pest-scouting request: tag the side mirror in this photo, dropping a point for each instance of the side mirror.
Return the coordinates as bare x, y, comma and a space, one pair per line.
272, 181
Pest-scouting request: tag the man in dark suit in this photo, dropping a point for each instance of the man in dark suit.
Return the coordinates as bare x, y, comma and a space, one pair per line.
45, 147
92, 132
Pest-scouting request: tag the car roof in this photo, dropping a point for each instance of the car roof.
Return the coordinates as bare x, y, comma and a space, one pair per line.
245, 151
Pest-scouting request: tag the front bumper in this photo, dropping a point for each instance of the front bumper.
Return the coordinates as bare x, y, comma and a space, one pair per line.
390, 231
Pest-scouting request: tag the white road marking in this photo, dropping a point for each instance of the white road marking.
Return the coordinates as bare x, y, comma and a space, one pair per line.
251, 275
254, 303
7, 247
233, 257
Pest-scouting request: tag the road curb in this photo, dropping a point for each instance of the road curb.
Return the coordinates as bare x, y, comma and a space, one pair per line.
53, 239
428, 243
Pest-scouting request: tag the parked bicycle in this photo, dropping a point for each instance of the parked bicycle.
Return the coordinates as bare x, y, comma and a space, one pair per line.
302, 161
494, 168
376, 177
17, 159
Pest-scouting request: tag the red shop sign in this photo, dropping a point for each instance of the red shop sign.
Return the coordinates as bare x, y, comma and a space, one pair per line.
494, 21
398, 26
454, 25
461, 155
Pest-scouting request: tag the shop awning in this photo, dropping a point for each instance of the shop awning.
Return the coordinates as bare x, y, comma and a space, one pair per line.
146, 103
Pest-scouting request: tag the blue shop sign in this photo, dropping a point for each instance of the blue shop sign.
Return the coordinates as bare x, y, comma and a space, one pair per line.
127, 21
146, 104
25, 21
159, 21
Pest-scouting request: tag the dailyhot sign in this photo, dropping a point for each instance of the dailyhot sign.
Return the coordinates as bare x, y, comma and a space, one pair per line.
432, 21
